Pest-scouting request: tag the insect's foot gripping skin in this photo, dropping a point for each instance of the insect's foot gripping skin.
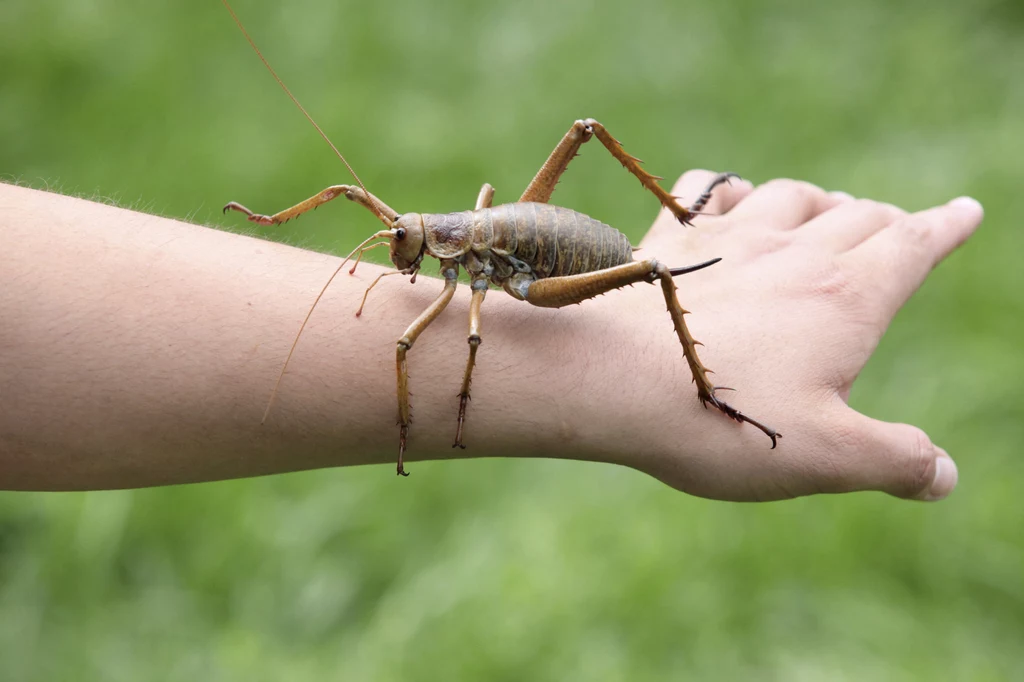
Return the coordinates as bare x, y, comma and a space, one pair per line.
403, 435
705, 196
253, 217
706, 397
463, 401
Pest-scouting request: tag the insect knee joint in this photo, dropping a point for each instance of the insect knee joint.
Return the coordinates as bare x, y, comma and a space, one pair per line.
655, 272
583, 128
475, 340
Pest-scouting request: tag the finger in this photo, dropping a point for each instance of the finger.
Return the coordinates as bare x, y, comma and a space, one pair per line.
849, 223
897, 259
786, 204
898, 459
723, 197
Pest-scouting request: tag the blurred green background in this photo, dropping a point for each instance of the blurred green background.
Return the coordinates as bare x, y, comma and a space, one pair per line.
508, 570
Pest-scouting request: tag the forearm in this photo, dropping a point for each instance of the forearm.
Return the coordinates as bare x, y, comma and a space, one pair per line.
136, 350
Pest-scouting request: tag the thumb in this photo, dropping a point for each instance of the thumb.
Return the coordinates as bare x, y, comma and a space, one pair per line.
898, 459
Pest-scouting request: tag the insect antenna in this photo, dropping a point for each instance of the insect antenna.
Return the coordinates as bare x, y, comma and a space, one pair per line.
252, 43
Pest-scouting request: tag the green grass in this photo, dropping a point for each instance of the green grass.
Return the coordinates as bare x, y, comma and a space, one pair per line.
509, 570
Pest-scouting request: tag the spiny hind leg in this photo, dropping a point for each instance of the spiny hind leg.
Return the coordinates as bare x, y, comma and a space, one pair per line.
356, 194
543, 184
450, 270
705, 389
479, 291
555, 292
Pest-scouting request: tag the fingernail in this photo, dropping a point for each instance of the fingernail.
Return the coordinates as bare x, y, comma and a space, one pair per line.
945, 478
968, 204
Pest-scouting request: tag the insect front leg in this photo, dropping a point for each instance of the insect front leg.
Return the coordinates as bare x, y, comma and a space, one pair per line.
450, 271
386, 214
555, 292
479, 291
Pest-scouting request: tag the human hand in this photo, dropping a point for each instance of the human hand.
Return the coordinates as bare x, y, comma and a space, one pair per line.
808, 284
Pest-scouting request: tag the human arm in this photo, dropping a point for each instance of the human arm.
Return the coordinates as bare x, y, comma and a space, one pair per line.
137, 350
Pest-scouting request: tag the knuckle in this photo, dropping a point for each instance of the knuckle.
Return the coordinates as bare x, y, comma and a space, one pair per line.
890, 211
794, 187
771, 242
833, 285
840, 448
695, 177
916, 230
847, 437
877, 211
919, 464
831, 280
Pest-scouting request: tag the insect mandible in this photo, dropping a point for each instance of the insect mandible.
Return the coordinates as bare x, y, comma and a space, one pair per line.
543, 254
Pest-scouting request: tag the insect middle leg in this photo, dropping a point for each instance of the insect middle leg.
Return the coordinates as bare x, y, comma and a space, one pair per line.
450, 271
479, 285
543, 184
479, 291
555, 292
386, 214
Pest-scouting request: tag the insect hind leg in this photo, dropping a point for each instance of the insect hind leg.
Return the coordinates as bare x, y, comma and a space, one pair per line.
705, 389
556, 292
543, 184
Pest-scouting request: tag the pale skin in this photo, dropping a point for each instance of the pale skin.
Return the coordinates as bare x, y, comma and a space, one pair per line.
138, 351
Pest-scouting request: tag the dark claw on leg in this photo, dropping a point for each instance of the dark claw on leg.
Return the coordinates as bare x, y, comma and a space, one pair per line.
733, 413
463, 399
403, 433
705, 196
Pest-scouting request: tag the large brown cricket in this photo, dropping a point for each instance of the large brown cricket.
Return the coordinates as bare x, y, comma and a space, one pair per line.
542, 254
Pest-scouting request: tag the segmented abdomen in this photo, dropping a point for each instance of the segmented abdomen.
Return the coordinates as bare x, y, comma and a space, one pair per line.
552, 240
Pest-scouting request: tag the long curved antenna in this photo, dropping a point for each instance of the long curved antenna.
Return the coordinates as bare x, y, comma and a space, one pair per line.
373, 203
277, 384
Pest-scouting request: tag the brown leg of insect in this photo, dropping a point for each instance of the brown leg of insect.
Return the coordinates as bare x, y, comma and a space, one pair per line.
483, 200
543, 184
479, 291
450, 270
555, 292
356, 194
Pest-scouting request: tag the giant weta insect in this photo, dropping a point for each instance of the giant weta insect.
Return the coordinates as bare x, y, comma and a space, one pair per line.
546, 255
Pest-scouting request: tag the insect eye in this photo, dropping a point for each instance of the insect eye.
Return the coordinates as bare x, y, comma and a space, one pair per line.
400, 234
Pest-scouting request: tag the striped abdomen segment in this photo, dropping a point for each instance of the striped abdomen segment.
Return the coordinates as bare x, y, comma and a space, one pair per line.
552, 240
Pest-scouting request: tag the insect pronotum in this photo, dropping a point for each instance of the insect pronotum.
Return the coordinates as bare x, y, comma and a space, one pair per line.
543, 254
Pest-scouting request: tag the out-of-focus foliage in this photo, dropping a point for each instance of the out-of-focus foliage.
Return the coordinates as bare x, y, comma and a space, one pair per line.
526, 569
